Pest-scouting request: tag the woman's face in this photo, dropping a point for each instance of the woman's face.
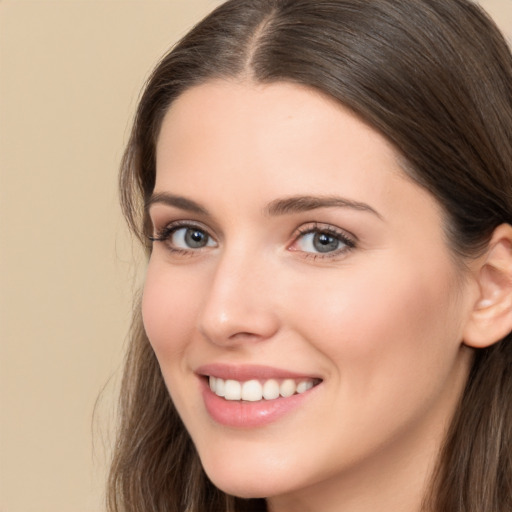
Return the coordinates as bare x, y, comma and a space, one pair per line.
294, 254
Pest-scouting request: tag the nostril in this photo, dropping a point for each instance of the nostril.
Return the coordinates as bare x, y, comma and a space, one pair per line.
248, 336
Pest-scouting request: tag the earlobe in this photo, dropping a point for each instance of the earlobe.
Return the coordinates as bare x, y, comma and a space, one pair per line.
491, 318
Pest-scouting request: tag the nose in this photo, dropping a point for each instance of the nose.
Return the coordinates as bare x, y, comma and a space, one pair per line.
239, 304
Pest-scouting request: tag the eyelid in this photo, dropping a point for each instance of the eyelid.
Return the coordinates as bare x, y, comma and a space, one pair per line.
175, 224
164, 233
348, 240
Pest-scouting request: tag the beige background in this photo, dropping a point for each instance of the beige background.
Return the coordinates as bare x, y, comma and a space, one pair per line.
70, 72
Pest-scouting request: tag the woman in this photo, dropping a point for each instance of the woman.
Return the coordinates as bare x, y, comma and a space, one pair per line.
324, 188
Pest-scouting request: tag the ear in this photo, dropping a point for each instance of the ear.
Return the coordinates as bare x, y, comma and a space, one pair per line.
491, 317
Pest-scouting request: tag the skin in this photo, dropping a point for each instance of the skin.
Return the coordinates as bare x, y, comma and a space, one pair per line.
381, 323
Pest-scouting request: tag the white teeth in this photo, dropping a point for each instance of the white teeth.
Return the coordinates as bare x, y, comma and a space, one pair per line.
220, 387
304, 385
255, 390
252, 391
287, 388
271, 389
233, 390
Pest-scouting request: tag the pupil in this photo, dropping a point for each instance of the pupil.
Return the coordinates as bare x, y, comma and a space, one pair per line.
325, 243
195, 238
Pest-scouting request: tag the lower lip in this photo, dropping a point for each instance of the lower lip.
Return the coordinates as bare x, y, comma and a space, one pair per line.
241, 414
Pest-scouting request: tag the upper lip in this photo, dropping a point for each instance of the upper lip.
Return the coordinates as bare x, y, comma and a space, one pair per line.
244, 373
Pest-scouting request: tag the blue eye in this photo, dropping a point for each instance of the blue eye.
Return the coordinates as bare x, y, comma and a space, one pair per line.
184, 238
318, 242
322, 241
190, 238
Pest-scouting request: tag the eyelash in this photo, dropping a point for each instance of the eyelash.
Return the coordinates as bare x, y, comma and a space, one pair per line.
348, 241
164, 235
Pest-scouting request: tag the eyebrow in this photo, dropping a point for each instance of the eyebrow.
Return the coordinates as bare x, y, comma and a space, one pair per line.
177, 201
297, 204
285, 206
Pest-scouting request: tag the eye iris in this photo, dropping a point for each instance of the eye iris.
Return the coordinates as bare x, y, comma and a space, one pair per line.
325, 243
195, 238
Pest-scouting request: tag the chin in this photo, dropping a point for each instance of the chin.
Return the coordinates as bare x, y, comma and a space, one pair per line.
248, 482
242, 487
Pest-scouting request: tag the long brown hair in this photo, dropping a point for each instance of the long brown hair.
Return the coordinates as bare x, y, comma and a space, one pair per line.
435, 78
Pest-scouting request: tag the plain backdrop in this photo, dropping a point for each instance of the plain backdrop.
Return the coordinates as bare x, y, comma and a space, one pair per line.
70, 75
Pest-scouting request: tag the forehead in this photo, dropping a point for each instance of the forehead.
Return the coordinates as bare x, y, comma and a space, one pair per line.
254, 106
275, 130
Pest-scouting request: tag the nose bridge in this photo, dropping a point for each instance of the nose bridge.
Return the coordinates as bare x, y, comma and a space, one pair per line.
238, 304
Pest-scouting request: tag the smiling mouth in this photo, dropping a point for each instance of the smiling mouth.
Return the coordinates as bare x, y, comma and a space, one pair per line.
257, 390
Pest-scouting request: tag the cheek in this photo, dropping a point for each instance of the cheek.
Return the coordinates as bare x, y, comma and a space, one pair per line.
169, 305
392, 343
383, 320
